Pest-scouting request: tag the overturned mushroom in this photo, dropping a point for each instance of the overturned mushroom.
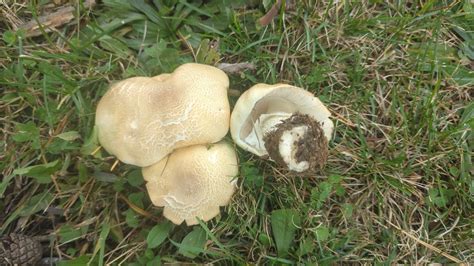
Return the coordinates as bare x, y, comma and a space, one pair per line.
286, 123
140, 120
192, 182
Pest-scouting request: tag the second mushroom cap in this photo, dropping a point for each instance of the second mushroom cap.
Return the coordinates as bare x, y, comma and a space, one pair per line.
287, 123
192, 182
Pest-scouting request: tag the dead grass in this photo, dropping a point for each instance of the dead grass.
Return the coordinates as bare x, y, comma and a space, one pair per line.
393, 74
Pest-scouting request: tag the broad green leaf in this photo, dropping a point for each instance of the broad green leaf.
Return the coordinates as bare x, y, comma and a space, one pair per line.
91, 143
28, 132
135, 178
471, 187
68, 233
264, 240
267, 4
69, 136
59, 146
119, 185
116, 230
131, 218
306, 246
49, 112
9, 37
437, 198
38, 202
149, 11
42, 172
119, 5
320, 194
105, 177
161, 57
137, 199
149, 254
193, 243
79, 261
115, 46
251, 175
207, 54
158, 234
201, 12
71, 251
335, 179
4, 183
460, 74
53, 75
100, 246
322, 233
82, 171
468, 113
347, 210
154, 262
284, 224
120, 22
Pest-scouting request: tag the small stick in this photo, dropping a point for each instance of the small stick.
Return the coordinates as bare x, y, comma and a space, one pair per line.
236, 68
96, 150
139, 210
270, 15
52, 21
114, 165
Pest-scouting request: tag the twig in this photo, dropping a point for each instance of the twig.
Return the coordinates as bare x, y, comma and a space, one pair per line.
96, 150
235, 68
270, 15
51, 21
114, 165
139, 210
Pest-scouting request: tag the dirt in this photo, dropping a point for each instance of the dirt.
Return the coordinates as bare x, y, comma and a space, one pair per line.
313, 147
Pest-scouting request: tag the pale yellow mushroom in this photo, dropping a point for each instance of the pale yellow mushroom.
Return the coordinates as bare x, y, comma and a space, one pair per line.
192, 182
141, 120
287, 123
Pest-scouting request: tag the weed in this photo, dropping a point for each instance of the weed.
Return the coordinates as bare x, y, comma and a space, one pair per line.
396, 75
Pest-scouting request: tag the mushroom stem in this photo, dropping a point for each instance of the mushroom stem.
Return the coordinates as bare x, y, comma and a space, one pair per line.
287, 148
298, 143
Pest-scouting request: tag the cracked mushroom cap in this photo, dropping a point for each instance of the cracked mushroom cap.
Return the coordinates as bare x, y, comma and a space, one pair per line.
192, 182
140, 120
263, 109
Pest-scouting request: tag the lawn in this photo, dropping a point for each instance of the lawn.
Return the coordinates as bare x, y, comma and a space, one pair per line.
397, 76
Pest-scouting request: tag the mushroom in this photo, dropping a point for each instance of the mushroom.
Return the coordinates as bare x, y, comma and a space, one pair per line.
192, 182
141, 120
286, 123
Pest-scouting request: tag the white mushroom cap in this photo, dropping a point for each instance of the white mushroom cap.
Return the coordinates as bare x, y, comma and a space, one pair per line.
193, 182
263, 106
141, 120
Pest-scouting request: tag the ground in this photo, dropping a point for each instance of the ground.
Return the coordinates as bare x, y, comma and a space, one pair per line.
397, 77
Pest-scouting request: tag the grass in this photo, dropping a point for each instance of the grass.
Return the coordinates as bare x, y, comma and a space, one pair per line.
397, 76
